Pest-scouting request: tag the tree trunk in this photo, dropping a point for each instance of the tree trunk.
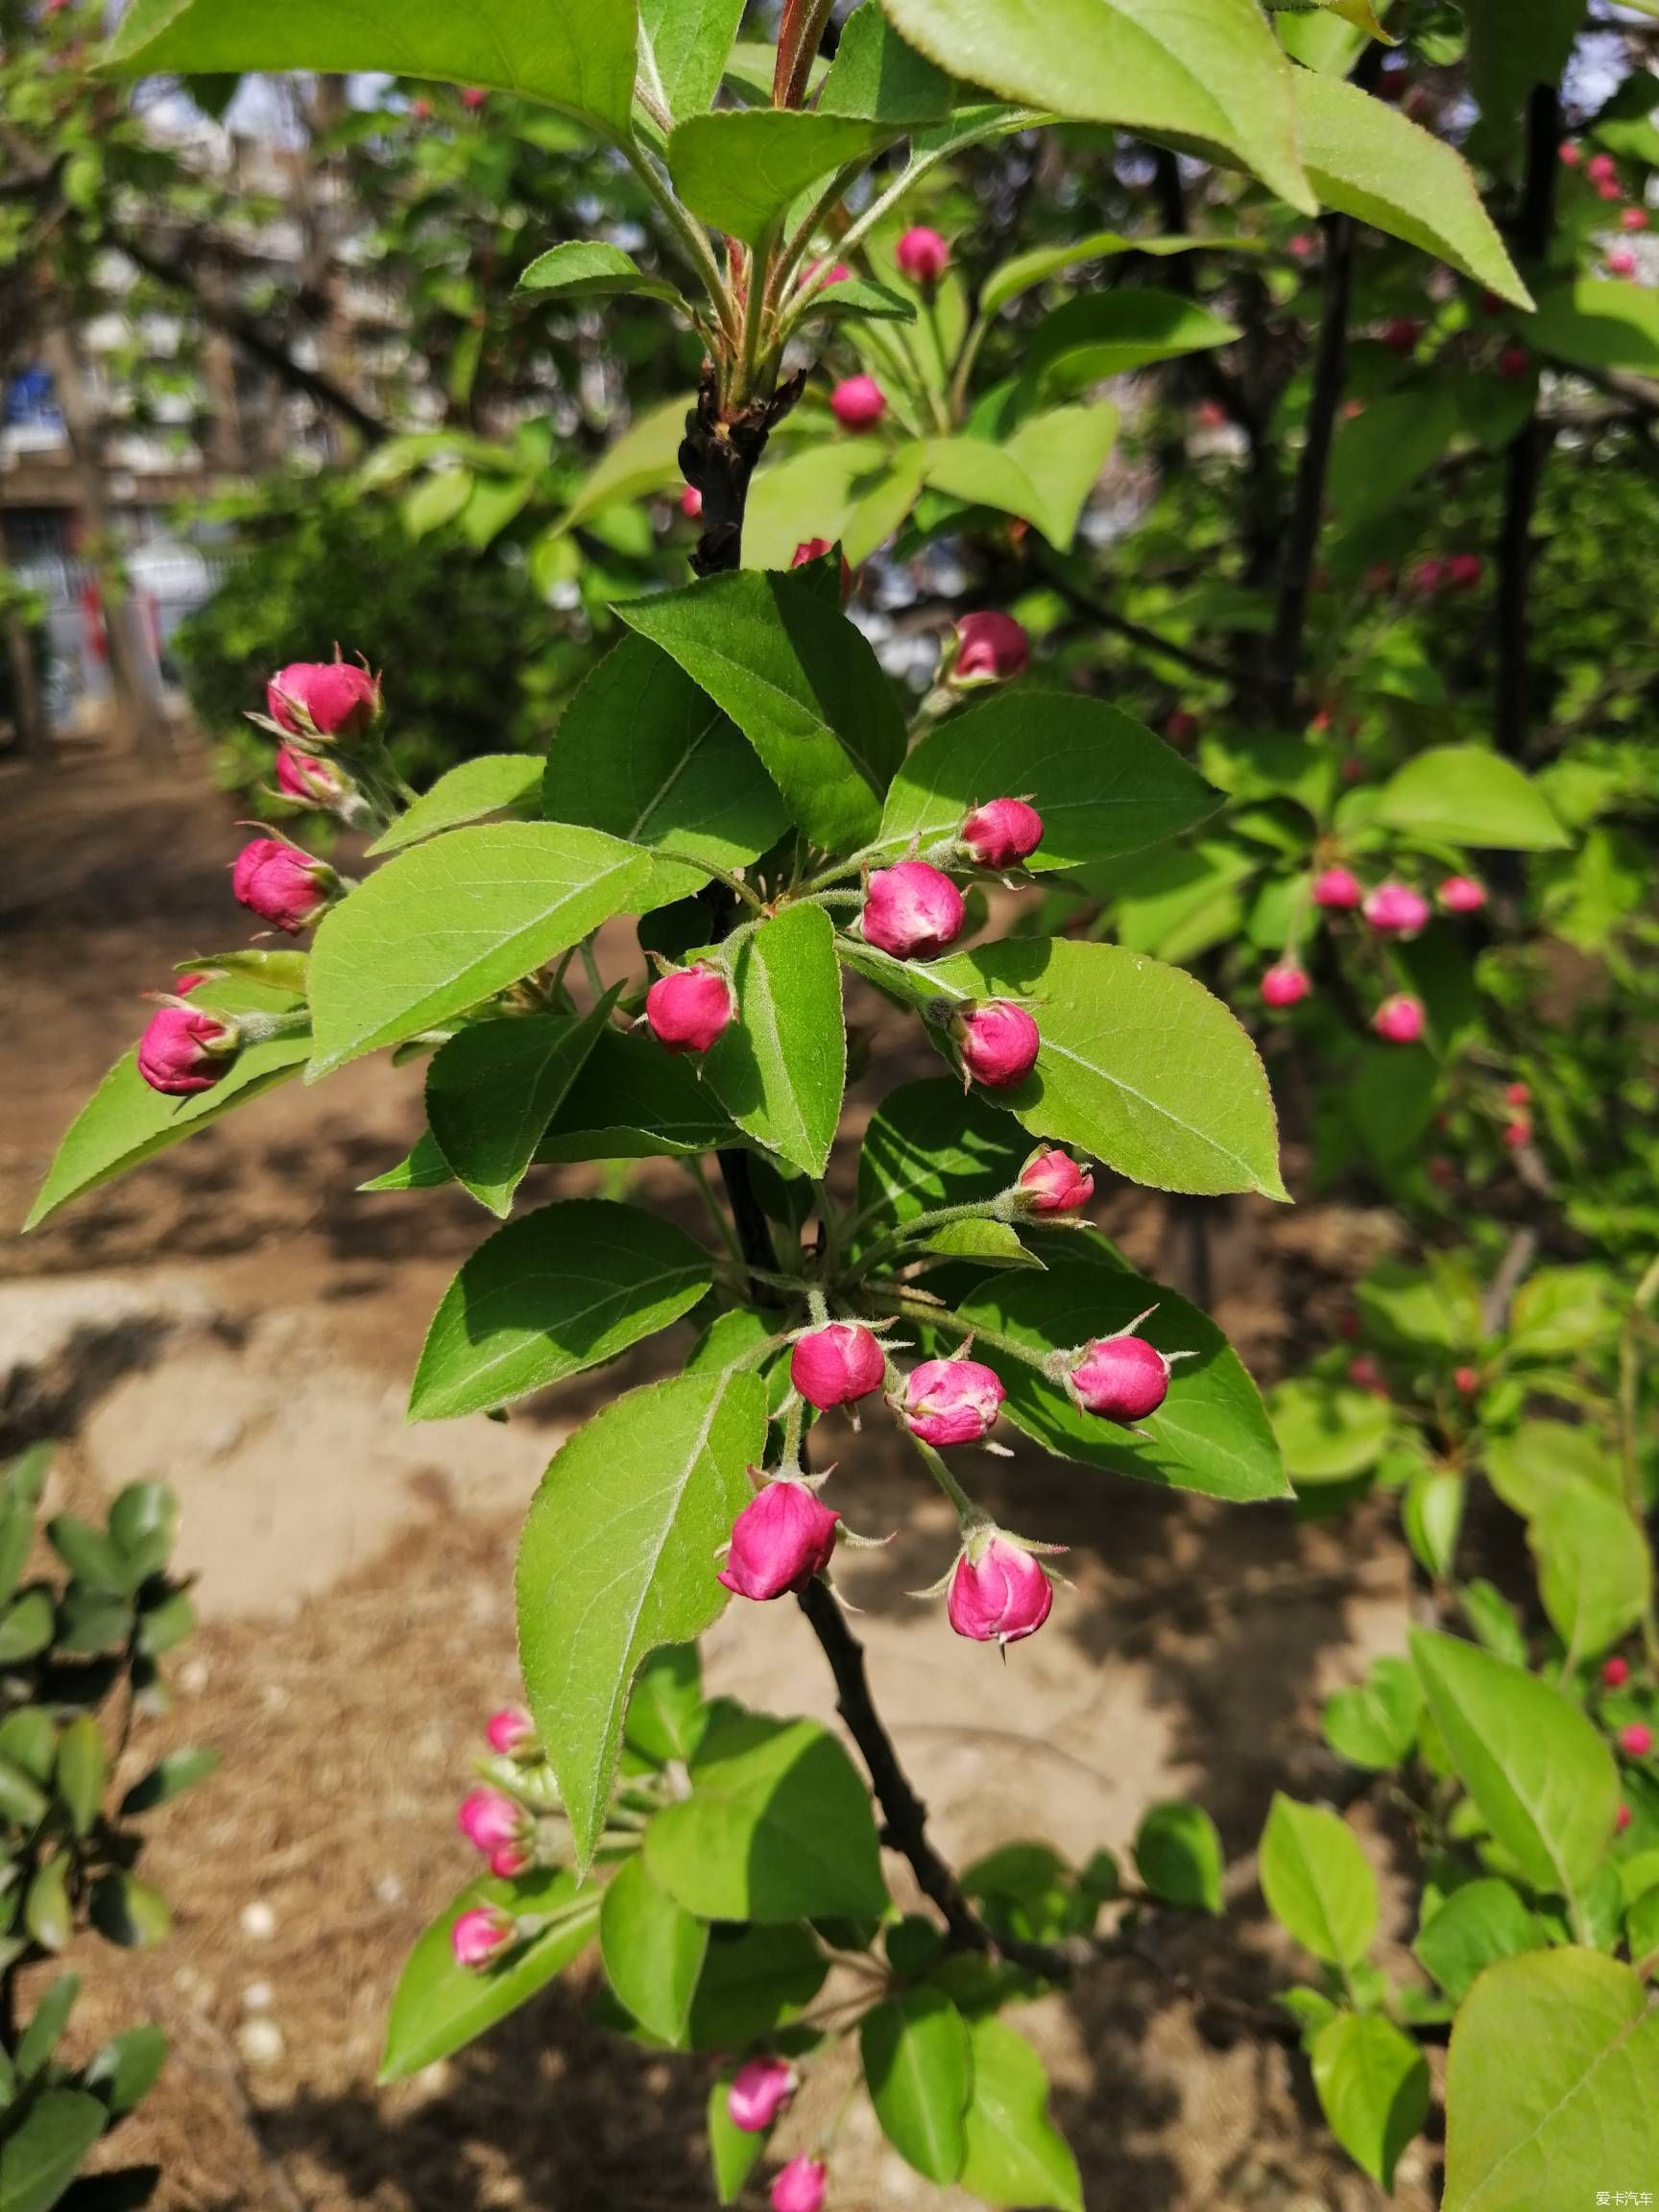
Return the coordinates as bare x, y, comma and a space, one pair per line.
32, 741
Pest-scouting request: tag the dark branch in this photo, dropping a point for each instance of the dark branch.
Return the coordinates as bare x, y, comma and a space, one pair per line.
1084, 603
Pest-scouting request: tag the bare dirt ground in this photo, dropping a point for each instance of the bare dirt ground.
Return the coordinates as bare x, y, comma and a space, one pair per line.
233, 1319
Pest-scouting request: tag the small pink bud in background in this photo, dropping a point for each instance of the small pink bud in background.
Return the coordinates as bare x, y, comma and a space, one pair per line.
690, 1009
1285, 984
814, 549
1620, 261
1602, 169
1003, 832
1210, 415
510, 1860
510, 1731
314, 782
1610, 189
420, 110
1395, 910
1461, 895
480, 1936
282, 885
1365, 1375
1053, 1183
1463, 571
1123, 1379
1441, 1174
1514, 363
820, 275
1518, 1135
800, 2187
488, 1820
1303, 246
951, 1401
1401, 336
780, 1541
1517, 1094
1428, 577
1181, 727
1572, 155
912, 910
473, 97
691, 503
991, 648
324, 699
184, 1051
759, 2090
1337, 889
1615, 1673
1622, 1819
1000, 1597
858, 403
1636, 1740
1466, 1380
923, 256
1633, 219
997, 1042
837, 1364
1399, 1020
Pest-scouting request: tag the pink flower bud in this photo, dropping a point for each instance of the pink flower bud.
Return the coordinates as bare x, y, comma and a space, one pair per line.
1053, 1183
1517, 1094
1636, 1740
184, 1050
1463, 571
821, 274
1337, 889
1461, 895
510, 1732
999, 1593
324, 699
1123, 1379
1365, 1375
1466, 1380
999, 1042
1514, 363
1428, 577
1303, 246
1518, 1135
837, 1364
858, 403
1182, 727
1401, 336
991, 648
1003, 832
912, 911
951, 1401
1395, 910
1622, 1819
1633, 219
481, 1935
490, 1819
191, 980
1602, 169
781, 1538
282, 885
690, 1009
1615, 1673
800, 2187
1285, 984
1620, 261
312, 781
1399, 1020
814, 549
759, 2090
473, 96
691, 503
510, 1860
923, 256
1572, 155
420, 110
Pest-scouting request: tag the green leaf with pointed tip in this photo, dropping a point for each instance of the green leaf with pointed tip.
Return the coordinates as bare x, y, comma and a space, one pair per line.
645, 459
578, 57
689, 42
41, 2158
780, 1066
493, 1089
439, 2005
444, 927
933, 1144
876, 76
1178, 1856
82, 1769
1480, 1923
127, 2068
46, 1909
617, 1557
1108, 333
755, 1981
1016, 2154
1373, 1724
1063, 451
172, 1774
919, 2065
586, 268
423, 1167
634, 1102
852, 296
1595, 1570
1598, 323
743, 169
652, 1951
1470, 796
1367, 159
554, 1291
1373, 2088
1316, 1882
127, 1911
734, 2151
1036, 267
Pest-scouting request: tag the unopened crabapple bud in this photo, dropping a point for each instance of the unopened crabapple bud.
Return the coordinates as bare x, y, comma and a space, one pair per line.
820, 275
837, 1364
1365, 1374
858, 403
1513, 363
691, 503
1633, 219
481, 1935
1286, 983
759, 2090
284, 886
1622, 1819
690, 1009
313, 783
473, 97
1052, 1183
1636, 1740
1401, 336
1399, 1020
185, 1050
192, 980
1572, 155
812, 549
922, 255
1518, 1135
951, 1401
998, 1594
800, 2187
1620, 261
1395, 910
1615, 1673
1602, 169
997, 1043
1338, 890
991, 648
490, 1821
1517, 1094
780, 1541
330, 699
912, 911
1466, 1380
510, 1732
1461, 895
1181, 727
1463, 571
1003, 832
1123, 1379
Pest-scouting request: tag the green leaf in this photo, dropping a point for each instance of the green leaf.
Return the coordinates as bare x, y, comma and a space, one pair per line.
645, 459
45, 2029
1552, 2084
1102, 783
1316, 1882
755, 1980
423, 1167
1062, 452
82, 1772
743, 169
22, 1800
1358, 13
442, 927
26, 1626
1366, 160
666, 1712
1178, 1856
1598, 323
734, 2151
1595, 1570
1469, 796
492, 1089
1543, 1461
644, 753
125, 1122
578, 56
1027, 270
493, 784
634, 1102
799, 681
439, 2005
90, 1554
143, 1525
1373, 2086
1511, 48
780, 1066
1209, 80
1478, 1924
1327, 1432
876, 76
933, 1144
689, 41
1102, 334
1211, 1433
172, 1774
1016, 2154
583, 269
919, 2066
29, 1740
127, 2068
1375, 1723
778, 1827
17, 1535
41, 2158
46, 1911
560, 1289
652, 1951
1538, 1771
617, 1557
127, 1911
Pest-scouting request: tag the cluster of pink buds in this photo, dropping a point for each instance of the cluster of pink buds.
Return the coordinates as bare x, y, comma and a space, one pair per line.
499, 1828
1286, 984
997, 1043
1447, 572
511, 1733
284, 885
837, 1364
954, 1401
1001, 834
